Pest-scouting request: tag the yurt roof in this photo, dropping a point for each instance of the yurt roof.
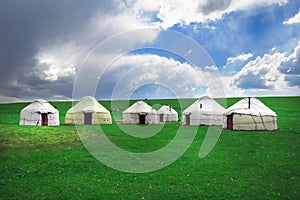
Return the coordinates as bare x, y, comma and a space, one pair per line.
256, 107
166, 109
206, 105
140, 107
88, 104
40, 105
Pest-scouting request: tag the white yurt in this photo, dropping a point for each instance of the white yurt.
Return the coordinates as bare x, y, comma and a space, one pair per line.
88, 111
167, 114
250, 114
39, 113
140, 113
204, 111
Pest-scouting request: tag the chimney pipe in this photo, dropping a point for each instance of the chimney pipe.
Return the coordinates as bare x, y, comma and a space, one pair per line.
249, 102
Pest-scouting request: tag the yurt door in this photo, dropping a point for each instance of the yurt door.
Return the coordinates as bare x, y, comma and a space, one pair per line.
88, 118
161, 117
188, 120
230, 121
44, 119
142, 119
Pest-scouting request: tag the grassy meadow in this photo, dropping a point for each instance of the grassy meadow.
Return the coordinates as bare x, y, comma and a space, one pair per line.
52, 163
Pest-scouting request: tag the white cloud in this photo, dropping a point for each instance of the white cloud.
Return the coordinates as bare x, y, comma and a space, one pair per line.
63, 59
241, 57
291, 67
237, 5
234, 64
211, 68
186, 12
293, 20
57, 62
131, 72
260, 73
126, 20
272, 74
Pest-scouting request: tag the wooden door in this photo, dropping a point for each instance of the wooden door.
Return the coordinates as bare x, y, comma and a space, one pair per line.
230, 121
88, 118
44, 119
187, 120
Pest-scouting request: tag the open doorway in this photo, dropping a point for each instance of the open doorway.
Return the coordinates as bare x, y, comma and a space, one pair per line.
161, 117
88, 118
142, 119
230, 121
44, 119
188, 120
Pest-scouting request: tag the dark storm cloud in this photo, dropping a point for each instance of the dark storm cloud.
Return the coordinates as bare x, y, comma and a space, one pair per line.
27, 26
30, 86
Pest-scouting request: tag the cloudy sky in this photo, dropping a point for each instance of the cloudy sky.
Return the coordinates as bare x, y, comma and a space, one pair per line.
123, 49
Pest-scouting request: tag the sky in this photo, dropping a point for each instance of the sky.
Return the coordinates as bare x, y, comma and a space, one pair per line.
137, 49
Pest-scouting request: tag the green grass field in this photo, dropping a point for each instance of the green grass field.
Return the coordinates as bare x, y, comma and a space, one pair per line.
52, 163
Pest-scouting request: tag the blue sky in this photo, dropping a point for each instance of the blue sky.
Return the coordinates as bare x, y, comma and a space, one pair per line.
59, 50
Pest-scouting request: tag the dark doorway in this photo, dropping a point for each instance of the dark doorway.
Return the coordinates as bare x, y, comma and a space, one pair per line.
88, 118
188, 120
230, 121
142, 119
44, 119
161, 117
